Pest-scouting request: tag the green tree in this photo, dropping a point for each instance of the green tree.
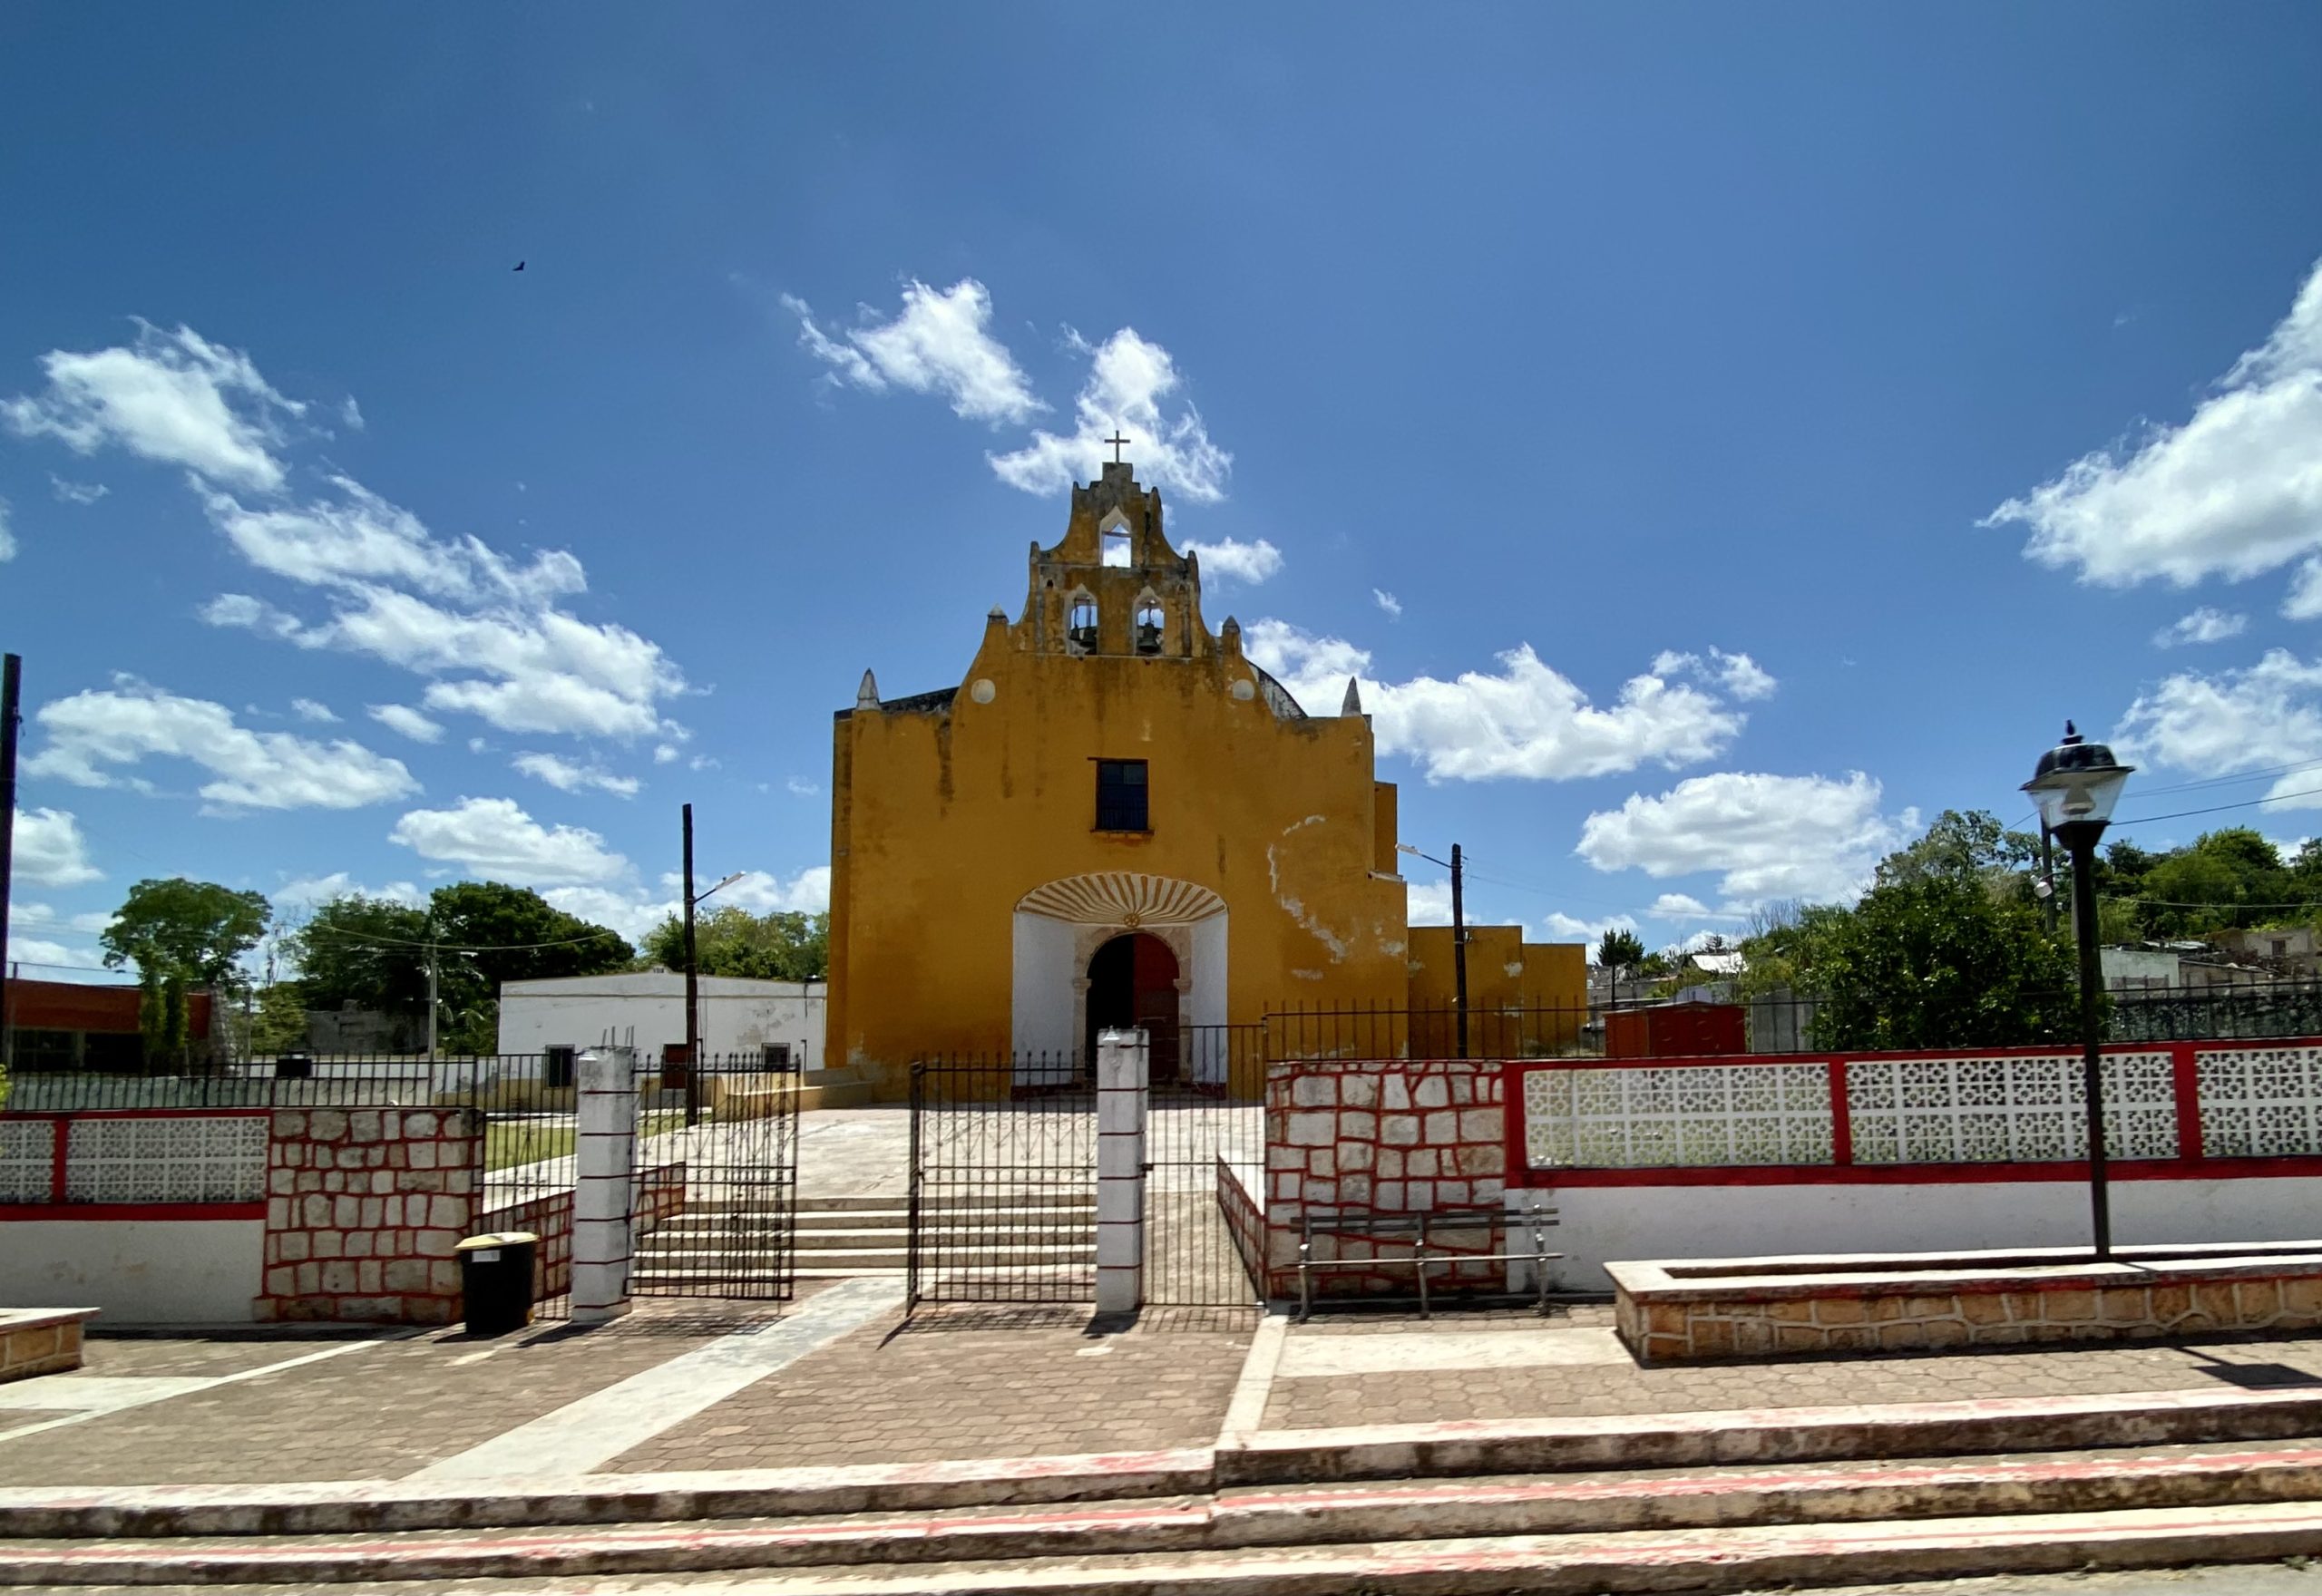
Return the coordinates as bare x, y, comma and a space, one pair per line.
375, 953
279, 1022
783, 946
367, 951
196, 931
2191, 891
1972, 844
1618, 950
1936, 959
1783, 946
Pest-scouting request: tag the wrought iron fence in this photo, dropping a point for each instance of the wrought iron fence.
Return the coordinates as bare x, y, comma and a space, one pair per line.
1003, 1180
1191, 1257
716, 1181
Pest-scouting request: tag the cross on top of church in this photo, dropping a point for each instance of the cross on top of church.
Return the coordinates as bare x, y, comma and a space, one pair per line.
1116, 440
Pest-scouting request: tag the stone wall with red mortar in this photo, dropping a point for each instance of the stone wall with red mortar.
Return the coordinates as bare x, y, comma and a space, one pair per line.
363, 1209
1245, 1221
660, 1193
1382, 1136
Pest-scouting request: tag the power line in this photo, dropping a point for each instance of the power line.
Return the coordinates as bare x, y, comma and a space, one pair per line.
376, 940
2221, 808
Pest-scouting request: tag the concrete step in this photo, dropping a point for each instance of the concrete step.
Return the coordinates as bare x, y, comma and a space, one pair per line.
899, 1202
706, 1259
1012, 1221
1718, 1530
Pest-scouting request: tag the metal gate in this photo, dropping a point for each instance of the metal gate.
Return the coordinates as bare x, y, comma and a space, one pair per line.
715, 1210
1204, 1149
1003, 1181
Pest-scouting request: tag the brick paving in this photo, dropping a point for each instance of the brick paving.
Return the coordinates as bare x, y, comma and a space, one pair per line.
220, 1354
1443, 1395
973, 1383
378, 1412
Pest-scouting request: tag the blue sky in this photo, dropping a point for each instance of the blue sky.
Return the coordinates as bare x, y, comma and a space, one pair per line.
1719, 438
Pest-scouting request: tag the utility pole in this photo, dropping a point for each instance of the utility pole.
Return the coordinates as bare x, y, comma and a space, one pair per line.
693, 1001
11, 670
431, 1003
1459, 947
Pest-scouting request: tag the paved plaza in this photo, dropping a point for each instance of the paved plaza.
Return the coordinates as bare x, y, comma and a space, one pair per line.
842, 1376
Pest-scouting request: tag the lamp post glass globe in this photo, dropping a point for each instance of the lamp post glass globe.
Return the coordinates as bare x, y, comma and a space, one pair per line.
2077, 782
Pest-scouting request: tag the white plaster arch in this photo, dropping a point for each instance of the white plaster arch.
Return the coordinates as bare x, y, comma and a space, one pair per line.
1059, 925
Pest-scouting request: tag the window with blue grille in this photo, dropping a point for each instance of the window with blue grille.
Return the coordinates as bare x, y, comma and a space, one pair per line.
1121, 792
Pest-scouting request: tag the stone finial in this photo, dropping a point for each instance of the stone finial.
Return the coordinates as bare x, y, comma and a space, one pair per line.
867, 697
1353, 705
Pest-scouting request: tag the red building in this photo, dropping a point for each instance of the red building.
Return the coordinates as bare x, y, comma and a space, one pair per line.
63, 1024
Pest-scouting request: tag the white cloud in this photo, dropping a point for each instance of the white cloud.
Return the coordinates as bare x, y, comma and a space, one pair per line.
483, 623
525, 671
49, 850
1768, 836
495, 840
174, 397
57, 962
2205, 625
664, 754
409, 722
308, 709
2254, 718
1738, 673
355, 538
1388, 602
1128, 378
633, 913
1525, 720
92, 731
8, 537
1428, 903
351, 413
2234, 491
802, 787
565, 775
76, 492
1560, 927
307, 891
1678, 906
940, 343
807, 893
1243, 562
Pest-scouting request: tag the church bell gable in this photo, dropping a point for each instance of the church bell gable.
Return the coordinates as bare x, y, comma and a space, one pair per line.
1112, 586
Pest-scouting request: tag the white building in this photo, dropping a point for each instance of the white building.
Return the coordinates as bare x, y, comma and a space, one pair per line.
646, 1010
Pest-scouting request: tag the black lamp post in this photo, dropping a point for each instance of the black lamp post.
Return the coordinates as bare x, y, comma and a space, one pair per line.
2076, 786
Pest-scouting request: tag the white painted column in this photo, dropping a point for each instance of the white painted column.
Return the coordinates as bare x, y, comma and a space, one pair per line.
1120, 1171
605, 1162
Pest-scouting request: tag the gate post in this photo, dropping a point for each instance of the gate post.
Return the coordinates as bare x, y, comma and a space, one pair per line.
1120, 1171
605, 1162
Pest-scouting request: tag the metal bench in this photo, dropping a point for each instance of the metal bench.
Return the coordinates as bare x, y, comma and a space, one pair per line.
1422, 1233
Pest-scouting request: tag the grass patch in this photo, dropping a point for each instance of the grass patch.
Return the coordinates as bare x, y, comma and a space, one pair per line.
511, 1142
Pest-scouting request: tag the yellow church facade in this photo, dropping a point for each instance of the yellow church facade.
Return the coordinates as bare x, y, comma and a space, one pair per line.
1117, 818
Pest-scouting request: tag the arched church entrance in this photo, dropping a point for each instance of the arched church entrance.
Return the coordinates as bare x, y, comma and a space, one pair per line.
1133, 985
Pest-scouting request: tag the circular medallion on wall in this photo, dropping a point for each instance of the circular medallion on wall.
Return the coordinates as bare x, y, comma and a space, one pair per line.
1245, 690
984, 690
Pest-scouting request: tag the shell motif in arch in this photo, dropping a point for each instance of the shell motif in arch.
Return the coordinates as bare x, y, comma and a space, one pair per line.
1116, 898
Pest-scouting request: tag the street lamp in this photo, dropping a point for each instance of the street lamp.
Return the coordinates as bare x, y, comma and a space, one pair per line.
2076, 786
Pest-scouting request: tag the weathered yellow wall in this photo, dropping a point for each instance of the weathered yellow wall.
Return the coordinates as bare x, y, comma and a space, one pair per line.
1525, 999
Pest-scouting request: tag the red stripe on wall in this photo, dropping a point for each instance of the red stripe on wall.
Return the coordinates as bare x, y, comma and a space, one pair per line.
2186, 1079
1841, 1115
25, 1213
1929, 1175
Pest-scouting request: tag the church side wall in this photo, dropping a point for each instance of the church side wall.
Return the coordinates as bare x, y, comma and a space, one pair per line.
949, 817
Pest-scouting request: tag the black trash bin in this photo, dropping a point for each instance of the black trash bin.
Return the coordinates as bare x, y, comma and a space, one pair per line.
496, 1281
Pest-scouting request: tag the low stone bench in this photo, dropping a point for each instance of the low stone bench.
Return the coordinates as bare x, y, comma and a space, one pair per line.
1683, 1310
40, 1341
